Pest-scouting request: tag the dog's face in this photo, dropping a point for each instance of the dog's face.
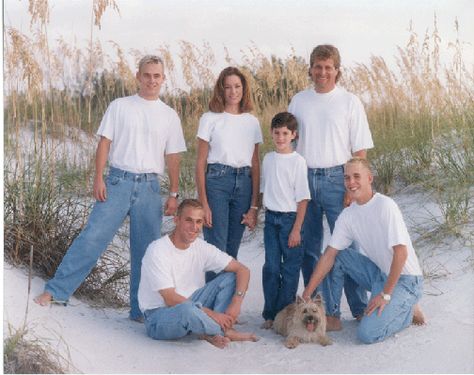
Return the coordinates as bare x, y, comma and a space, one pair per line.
309, 313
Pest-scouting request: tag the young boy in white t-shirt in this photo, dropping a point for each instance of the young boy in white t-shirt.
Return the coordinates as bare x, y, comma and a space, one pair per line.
285, 196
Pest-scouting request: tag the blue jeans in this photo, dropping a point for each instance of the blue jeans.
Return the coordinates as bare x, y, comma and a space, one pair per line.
397, 314
168, 323
327, 197
136, 195
229, 194
281, 270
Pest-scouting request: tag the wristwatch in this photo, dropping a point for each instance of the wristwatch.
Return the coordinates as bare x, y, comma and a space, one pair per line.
386, 297
239, 293
174, 194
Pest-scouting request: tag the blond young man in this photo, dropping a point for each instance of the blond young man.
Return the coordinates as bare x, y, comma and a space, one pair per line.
139, 135
390, 271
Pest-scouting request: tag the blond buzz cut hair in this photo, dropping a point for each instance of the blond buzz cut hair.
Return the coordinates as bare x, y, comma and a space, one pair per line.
365, 163
150, 59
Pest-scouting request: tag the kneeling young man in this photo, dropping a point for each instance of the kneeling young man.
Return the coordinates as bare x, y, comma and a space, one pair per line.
173, 295
390, 271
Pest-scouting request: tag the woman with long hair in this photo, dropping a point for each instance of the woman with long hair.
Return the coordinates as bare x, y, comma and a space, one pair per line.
227, 167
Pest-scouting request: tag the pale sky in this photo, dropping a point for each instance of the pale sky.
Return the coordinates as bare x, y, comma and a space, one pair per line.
359, 28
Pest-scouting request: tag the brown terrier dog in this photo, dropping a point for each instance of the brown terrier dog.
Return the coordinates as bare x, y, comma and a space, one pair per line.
302, 322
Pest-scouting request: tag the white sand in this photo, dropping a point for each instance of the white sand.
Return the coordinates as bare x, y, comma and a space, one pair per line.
105, 341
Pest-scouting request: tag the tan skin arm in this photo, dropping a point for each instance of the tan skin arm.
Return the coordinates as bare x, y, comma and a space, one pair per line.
172, 162
250, 218
295, 234
323, 267
400, 255
99, 189
242, 275
201, 166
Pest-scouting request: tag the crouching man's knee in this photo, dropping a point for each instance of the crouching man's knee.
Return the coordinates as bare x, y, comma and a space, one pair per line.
369, 336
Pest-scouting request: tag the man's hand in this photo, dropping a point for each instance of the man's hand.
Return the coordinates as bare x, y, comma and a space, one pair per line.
171, 206
295, 238
233, 311
376, 303
99, 190
225, 321
207, 216
347, 200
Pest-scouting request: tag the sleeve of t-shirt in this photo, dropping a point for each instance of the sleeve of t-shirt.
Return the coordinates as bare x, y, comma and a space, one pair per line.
205, 128
175, 142
258, 138
361, 137
397, 230
341, 237
301, 181
262, 174
109, 121
158, 271
215, 259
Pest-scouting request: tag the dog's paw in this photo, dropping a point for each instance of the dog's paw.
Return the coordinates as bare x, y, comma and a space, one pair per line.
324, 341
292, 342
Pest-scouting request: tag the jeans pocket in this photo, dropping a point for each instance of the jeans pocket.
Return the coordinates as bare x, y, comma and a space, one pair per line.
214, 171
154, 186
112, 180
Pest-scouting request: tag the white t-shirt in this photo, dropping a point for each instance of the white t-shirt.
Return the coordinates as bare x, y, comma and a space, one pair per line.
331, 126
164, 266
231, 138
376, 226
142, 132
284, 181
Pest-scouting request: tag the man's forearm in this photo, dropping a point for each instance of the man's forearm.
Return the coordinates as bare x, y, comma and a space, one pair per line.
400, 255
172, 162
360, 154
323, 267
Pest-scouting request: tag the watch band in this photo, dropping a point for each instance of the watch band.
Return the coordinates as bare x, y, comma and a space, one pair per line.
174, 194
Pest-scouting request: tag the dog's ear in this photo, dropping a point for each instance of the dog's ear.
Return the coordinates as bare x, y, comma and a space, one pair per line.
318, 299
299, 300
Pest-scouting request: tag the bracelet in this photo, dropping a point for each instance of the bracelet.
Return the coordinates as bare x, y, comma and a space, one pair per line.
254, 208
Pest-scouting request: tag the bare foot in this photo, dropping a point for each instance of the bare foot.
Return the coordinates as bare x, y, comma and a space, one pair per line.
267, 324
43, 299
418, 316
234, 335
333, 323
218, 341
359, 317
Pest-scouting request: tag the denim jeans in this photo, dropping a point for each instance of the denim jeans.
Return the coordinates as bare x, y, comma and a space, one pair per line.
229, 193
168, 323
281, 271
397, 314
136, 195
327, 197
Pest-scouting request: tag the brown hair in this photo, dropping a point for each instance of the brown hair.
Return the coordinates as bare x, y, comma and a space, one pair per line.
324, 52
284, 119
217, 103
193, 203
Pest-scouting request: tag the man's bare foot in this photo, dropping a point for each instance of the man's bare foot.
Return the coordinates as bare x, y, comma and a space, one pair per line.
44, 299
218, 341
418, 316
267, 324
333, 323
234, 335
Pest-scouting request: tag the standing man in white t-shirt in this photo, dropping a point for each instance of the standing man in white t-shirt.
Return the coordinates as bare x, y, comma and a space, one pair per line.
390, 271
332, 127
173, 294
139, 134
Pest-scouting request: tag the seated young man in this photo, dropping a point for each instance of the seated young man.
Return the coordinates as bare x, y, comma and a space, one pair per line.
173, 295
390, 271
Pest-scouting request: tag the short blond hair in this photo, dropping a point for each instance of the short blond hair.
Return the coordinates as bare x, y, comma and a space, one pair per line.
365, 163
150, 59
